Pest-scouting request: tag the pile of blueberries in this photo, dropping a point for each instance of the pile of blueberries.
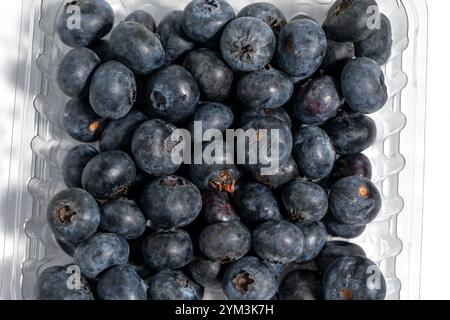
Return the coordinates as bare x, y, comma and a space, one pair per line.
140, 226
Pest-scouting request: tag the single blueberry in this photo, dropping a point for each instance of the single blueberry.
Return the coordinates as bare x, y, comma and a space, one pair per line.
206, 273
109, 175
315, 238
121, 283
73, 215
266, 12
285, 173
202, 19
279, 113
144, 18
352, 165
304, 201
217, 208
74, 162
84, 22
171, 201
301, 285
137, 47
101, 252
338, 229
247, 44
75, 70
333, 250
338, 54
173, 285
212, 116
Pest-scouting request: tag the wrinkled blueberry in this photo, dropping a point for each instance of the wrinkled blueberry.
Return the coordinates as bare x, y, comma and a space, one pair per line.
121, 283
315, 238
266, 12
342, 230
144, 18
247, 44
212, 116
334, 250
279, 113
352, 165
217, 208
206, 273
301, 285
74, 162
286, 172
338, 54
173, 285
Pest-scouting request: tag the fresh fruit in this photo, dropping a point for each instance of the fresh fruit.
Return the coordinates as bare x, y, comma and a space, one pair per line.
217, 208
301, 285
121, 283
315, 238
74, 162
173, 285
334, 250
267, 12
144, 18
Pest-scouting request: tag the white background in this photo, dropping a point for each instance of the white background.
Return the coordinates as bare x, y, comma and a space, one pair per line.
436, 224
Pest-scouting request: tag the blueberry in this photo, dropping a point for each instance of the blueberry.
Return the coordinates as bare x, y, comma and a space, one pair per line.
202, 19
301, 285
286, 172
334, 250
75, 71
109, 175
217, 208
279, 113
73, 215
173, 285
249, 279
350, 20
173, 39
317, 101
171, 201
355, 200
212, 116
278, 241
119, 133
74, 162
338, 229
81, 122
256, 203
267, 12
122, 217
338, 54
171, 249
103, 50
206, 273
96, 19
137, 47
267, 88
101, 252
213, 76
378, 45
315, 238
354, 278
351, 133
314, 152
144, 18
302, 45
172, 93
55, 283
304, 201
247, 44
225, 242
352, 165
67, 247
113, 90
152, 147
121, 283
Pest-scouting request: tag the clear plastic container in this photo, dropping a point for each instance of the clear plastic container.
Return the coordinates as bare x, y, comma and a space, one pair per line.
393, 240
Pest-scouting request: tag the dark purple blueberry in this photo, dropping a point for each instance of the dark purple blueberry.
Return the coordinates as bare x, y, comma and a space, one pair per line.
286, 172
301, 285
74, 162
266, 12
212, 116
338, 54
352, 165
217, 208
144, 18
338, 229
334, 250
173, 285
315, 238
206, 273
121, 283
251, 113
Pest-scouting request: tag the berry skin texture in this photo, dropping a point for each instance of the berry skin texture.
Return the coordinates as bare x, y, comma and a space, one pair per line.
202, 19
206, 273
101, 252
144, 18
109, 175
256, 203
152, 147
171, 249
351, 133
286, 173
52, 285
266, 12
301, 285
333, 250
74, 162
213, 116
113, 90
355, 200
338, 54
217, 208
173, 285
363, 86
317, 101
354, 278
352, 165
121, 283
225, 242
75, 70
73, 215
247, 44
173, 39
338, 229
378, 45
350, 21
122, 217
172, 93
278, 113
302, 45
304, 201
103, 50
315, 238
137, 47
267, 88
278, 241
81, 122
314, 152
249, 279
171, 202
213, 76
96, 20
